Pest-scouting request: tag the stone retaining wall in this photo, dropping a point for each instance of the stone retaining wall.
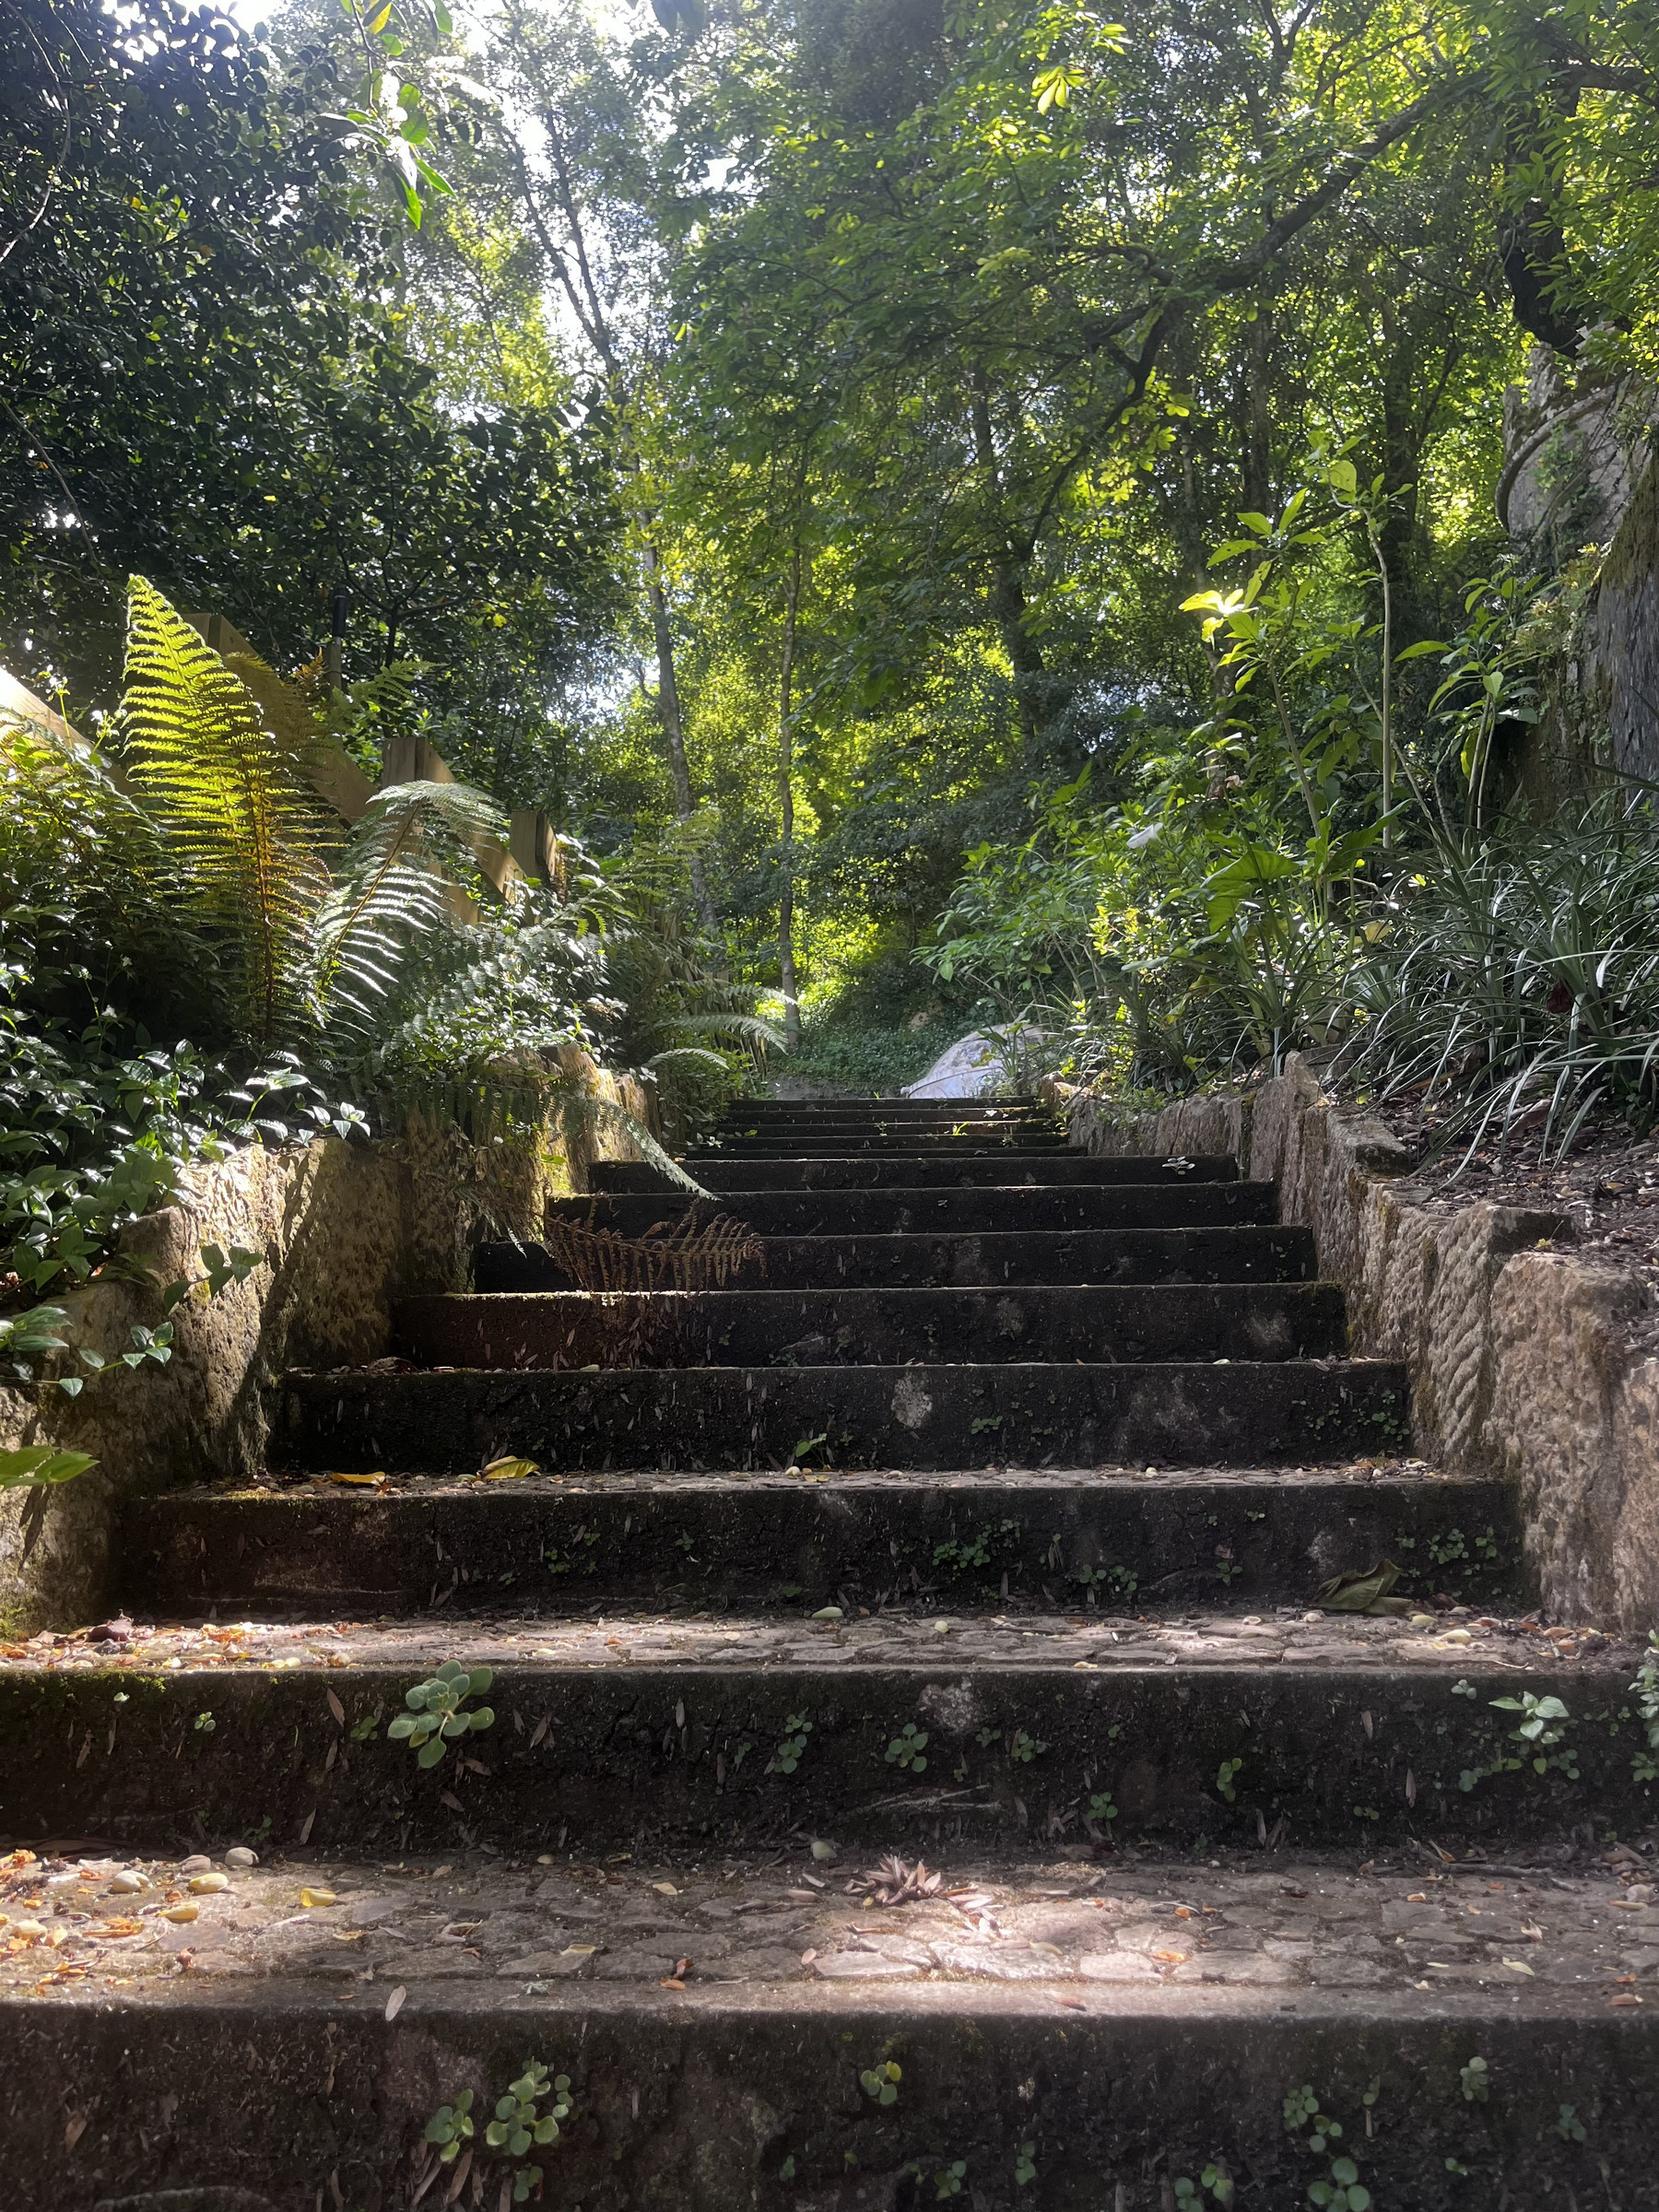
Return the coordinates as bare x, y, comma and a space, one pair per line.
1527, 1361
345, 1229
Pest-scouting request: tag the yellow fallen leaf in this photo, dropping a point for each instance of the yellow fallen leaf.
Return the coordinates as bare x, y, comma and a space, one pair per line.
1519, 1966
361, 1482
508, 1470
317, 1897
664, 1888
181, 1914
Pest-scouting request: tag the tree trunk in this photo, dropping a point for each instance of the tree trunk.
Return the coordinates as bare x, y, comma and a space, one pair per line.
1006, 595
1256, 472
786, 960
674, 731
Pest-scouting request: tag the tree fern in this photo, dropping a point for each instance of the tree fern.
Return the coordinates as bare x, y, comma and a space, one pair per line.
243, 830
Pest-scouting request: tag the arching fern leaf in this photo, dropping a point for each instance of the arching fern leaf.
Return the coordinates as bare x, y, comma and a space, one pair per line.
395, 883
244, 832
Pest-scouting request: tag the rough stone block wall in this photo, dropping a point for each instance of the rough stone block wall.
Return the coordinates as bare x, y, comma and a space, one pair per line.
1526, 1360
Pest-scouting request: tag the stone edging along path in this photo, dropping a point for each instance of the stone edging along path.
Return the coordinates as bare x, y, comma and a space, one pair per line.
1521, 1352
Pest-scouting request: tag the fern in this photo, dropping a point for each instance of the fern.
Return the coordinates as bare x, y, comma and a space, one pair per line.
244, 833
685, 1254
391, 888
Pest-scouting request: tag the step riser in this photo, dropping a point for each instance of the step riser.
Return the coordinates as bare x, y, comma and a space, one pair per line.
618, 1768
701, 2103
914, 1417
959, 1212
882, 1172
883, 1328
1139, 1545
928, 1261
830, 1144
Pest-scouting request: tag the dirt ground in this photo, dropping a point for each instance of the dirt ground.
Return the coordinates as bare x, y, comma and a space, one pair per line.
1607, 1186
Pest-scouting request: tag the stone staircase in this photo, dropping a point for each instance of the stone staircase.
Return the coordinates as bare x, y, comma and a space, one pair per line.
918, 1765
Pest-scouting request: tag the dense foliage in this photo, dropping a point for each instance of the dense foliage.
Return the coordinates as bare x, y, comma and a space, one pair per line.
970, 510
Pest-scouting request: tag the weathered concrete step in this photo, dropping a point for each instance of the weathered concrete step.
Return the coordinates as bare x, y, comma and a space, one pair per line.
890, 1113
879, 1171
838, 1143
925, 1260
1057, 2029
616, 1733
970, 1212
961, 1540
1065, 2092
839, 1328
1243, 1414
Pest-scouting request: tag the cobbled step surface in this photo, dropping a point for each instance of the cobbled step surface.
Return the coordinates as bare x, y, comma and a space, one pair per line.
1058, 2031
817, 1328
970, 1211
931, 1259
958, 1540
623, 1728
891, 1166
1242, 1412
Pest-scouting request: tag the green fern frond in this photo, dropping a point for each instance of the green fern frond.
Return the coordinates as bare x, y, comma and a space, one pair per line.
391, 887
751, 1030
241, 829
587, 1105
695, 1055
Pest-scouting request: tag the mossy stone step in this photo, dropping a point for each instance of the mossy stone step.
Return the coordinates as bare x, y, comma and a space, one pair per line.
959, 1541
923, 1209
1169, 1412
619, 1732
929, 1259
1074, 2036
881, 1170
818, 1328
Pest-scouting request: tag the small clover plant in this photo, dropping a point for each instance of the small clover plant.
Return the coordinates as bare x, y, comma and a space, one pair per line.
518, 2126
434, 1719
882, 2082
905, 1750
450, 2127
789, 1754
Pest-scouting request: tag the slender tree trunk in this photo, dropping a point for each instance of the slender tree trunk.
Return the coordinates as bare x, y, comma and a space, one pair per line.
674, 730
1256, 474
786, 960
1007, 599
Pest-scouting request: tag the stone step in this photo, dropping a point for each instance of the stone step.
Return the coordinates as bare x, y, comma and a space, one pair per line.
962, 1540
803, 1113
878, 1171
972, 1212
780, 1328
1169, 1412
1070, 2033
832, 1142
621, 1733
927, 1260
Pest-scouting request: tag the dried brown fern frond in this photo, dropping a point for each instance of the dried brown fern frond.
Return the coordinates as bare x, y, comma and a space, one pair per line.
677, 1255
